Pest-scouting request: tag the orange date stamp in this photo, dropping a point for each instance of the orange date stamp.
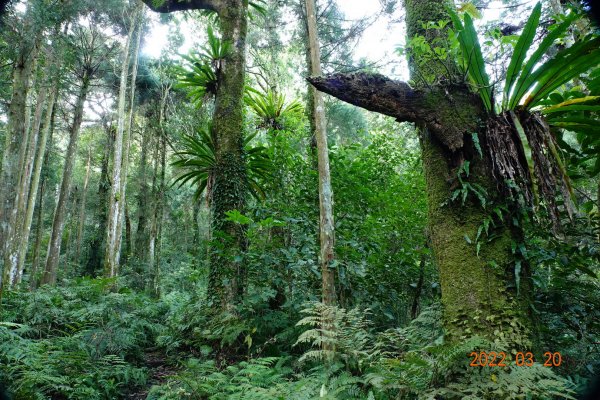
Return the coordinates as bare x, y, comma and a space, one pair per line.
522, 359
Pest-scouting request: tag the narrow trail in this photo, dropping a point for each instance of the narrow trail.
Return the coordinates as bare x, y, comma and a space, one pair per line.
158, 372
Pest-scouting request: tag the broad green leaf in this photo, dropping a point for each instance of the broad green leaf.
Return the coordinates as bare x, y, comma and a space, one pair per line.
520, 51
562, 68
520, 87
473, 58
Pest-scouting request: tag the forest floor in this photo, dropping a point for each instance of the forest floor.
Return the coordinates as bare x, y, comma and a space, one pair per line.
159, 370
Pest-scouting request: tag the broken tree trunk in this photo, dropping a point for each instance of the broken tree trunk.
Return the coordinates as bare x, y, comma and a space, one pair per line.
478, 293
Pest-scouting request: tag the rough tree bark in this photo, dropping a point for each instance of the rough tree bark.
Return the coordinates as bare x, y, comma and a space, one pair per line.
326, 224
226, 277
477, 294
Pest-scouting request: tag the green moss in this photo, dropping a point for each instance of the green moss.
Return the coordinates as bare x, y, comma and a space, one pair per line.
475, 295
227, 271
474, 286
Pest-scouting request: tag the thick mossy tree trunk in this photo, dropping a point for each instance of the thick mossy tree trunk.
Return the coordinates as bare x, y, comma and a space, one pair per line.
478, 293
227, 272
226, 277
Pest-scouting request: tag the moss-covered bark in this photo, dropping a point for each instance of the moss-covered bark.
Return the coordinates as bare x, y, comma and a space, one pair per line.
227, 272
476, 288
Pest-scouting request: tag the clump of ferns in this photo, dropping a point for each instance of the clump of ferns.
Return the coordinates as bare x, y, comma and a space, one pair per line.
335, 333
519, 140
201, 72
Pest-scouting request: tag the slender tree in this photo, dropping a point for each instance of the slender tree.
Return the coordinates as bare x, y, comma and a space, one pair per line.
82, 203
91, 52
116, 198
124, 216
326, 224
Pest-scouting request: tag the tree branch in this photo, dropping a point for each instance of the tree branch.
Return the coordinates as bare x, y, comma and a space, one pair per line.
374, 93
167, 6
435, 109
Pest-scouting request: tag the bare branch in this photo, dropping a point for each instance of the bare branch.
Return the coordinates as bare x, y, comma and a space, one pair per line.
436, 109
374, 93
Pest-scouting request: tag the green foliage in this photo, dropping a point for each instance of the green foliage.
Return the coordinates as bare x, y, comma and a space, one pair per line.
344, 332
201, 72
272, 108
199, 78
216, 50
97, 339
198, 162
77, 342
472, 59
527, 82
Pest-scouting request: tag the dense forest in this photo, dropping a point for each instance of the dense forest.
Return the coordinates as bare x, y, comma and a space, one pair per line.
234, 199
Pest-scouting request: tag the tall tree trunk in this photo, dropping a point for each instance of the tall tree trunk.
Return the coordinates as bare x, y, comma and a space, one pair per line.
113, 234
478, 293
326, 225
128, 237
226, 276
58, 223
39, 180
141, 236
36, 159
151, 283
81, 218
157, 216
14, 245
137, 26
39, 231
94, 262
15, 142
474, 286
